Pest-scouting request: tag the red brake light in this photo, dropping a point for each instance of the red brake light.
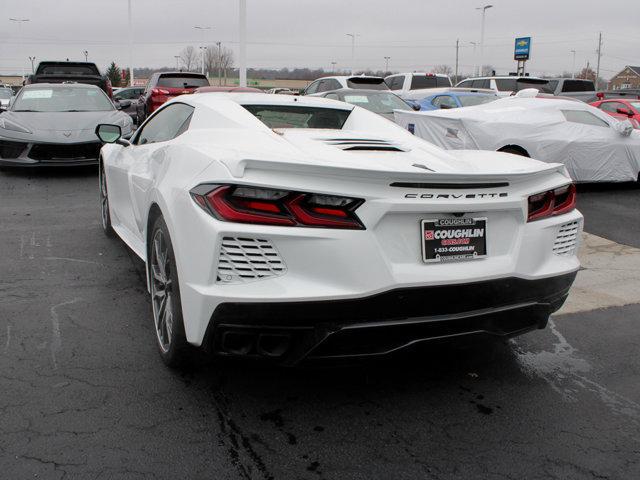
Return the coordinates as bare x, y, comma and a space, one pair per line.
553, 202
600, 95
236, 203
159, 91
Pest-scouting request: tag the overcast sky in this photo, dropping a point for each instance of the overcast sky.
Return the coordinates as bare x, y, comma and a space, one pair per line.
416, 34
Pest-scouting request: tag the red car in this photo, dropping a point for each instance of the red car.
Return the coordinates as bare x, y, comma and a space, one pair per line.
164, 86
621, 108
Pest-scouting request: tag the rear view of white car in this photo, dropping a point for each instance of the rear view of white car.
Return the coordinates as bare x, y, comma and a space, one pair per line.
296, 228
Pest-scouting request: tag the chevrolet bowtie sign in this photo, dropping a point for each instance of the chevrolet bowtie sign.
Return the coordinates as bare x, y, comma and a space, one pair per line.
523, 48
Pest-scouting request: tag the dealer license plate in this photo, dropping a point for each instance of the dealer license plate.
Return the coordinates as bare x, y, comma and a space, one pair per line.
454, 239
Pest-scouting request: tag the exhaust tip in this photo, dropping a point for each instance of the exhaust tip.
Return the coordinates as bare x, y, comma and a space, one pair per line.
273, 344
237, 343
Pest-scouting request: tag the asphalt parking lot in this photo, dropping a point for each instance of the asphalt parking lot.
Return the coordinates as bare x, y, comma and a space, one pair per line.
85, 395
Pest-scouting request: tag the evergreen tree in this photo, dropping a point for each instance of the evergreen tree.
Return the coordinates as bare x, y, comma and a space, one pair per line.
114, 74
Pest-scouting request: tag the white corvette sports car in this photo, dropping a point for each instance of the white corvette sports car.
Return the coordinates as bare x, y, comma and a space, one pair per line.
295, 228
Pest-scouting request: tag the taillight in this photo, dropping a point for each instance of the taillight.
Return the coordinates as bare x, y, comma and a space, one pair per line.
159, 91
266, 206
553, 202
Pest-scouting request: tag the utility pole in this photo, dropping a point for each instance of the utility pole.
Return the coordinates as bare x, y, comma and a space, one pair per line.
86, 55
20, 21
333, 67
130, 43
573, 68
32, 59
475, 60
386, 64
353, 51
484, 11
457, 51
203, 48
177, 57
219, 44
242, 63
599, 55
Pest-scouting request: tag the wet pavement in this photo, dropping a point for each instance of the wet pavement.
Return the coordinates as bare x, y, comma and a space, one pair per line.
84, 394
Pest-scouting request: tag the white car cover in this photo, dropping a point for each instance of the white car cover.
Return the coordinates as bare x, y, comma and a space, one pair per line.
594, 146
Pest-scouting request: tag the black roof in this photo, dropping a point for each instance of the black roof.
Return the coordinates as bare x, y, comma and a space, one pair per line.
636, 70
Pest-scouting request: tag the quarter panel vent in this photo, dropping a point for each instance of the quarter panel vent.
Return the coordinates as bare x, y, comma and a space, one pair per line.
567, 239
243, 260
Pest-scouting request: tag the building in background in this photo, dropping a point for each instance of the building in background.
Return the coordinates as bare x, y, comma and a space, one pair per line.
627, 78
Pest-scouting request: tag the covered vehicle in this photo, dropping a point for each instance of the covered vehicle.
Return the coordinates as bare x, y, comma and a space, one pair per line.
376, 101
291, 228
456, 98
54, 125
592, 145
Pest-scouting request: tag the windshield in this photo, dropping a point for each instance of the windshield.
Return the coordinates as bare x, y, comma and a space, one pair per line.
635, 105
377, 102
288, 116
182, 81
6, 93
471, 100
62, 99
370, 83
516, 84
68, 69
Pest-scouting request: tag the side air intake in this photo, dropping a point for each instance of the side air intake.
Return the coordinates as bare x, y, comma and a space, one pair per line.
247, 259
367, 144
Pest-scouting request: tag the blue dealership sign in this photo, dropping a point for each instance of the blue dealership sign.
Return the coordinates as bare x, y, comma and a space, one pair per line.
523, 48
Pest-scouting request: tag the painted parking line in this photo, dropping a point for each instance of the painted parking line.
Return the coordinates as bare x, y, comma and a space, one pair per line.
610, 276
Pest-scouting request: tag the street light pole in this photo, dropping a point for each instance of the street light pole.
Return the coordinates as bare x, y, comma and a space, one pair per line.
484, 11
386, 64
86, 55
242, 27
203, 49
475, 59
32, 59
130, 43
177, 57
333, 67
20, 21
573, 68
353, 51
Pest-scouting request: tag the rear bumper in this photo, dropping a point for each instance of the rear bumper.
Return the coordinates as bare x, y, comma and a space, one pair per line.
380, 324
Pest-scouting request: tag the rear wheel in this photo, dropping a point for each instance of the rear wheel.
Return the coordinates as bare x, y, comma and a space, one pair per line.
104, 204
165, 298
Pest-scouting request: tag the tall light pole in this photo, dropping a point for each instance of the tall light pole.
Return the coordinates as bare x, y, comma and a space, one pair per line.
484, 11
386, 64
130, 42
573, 68
203, 49
219, 44
86, 55
475, 59
353, 51
333, 67
32, 59
242, 27
20, 21
177, 57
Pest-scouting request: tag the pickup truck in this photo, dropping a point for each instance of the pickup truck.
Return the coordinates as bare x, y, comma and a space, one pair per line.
78, 72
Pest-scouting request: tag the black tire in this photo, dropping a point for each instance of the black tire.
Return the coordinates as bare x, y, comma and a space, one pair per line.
166, 304
105, 215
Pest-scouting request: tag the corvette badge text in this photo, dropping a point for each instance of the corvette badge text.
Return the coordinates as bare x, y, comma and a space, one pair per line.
455, 195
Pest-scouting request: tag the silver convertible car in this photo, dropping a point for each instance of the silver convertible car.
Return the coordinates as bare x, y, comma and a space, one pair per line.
54, 124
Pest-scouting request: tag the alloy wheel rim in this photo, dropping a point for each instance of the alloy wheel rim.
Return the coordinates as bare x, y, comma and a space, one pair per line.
161, 291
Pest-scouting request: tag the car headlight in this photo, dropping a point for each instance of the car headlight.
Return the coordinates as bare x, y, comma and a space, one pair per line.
9, 125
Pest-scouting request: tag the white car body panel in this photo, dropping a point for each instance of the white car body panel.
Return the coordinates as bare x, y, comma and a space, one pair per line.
226, 144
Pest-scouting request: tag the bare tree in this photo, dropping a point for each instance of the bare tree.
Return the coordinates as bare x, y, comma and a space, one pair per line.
444, 69
226, 61
189, 58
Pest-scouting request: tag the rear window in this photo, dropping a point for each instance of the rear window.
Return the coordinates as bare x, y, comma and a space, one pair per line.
517, 84
429, 81
182, 81
584, 117
368, 83
70, 69
291, 116
578, 86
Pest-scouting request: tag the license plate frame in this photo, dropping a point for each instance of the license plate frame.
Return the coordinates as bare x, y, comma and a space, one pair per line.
466, 245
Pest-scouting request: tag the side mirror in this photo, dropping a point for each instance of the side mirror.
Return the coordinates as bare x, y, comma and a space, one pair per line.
110, 134
624, 111
623, 127
416, 107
